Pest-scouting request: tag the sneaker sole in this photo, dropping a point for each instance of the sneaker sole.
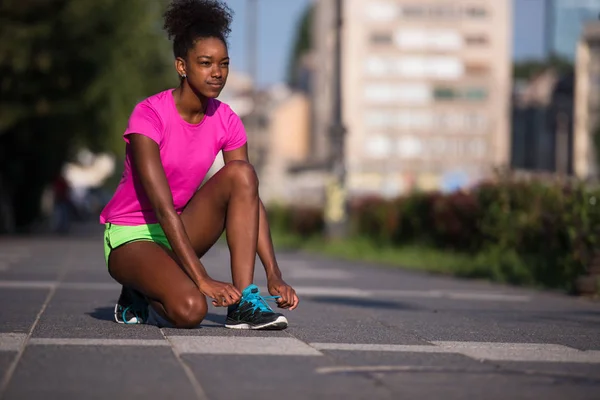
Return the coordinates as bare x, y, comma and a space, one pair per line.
132, 321
279, 324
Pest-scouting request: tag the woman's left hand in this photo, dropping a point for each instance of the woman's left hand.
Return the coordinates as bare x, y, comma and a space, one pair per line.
278, 287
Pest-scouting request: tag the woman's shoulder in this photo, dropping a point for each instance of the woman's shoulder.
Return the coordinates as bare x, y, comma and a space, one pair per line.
155, 107
157, 101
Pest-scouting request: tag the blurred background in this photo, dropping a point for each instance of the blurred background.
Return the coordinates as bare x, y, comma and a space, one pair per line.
462, 126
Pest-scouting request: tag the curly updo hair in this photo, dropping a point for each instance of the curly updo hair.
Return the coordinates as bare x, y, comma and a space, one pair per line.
186, 21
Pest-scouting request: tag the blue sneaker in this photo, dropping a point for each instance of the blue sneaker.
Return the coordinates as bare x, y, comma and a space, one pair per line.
131, 308
253, 312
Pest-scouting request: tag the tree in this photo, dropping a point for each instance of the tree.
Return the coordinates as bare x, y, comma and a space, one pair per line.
70, 73
302, 44
528, 69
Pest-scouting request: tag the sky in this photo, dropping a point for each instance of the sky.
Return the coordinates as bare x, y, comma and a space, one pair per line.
277, 24
278, 21
528, 29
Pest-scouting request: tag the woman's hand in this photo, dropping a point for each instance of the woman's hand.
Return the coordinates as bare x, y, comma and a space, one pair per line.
223, 294
278, 287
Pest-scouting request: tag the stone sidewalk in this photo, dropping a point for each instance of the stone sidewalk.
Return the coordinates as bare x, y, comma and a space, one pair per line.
361, 332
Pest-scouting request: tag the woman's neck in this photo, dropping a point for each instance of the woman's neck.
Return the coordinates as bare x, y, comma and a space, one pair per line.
191, 106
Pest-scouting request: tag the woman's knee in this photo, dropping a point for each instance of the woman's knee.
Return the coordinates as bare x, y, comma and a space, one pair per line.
243, 174
188, 310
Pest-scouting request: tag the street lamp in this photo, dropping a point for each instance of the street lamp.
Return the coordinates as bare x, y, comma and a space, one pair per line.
549, 27
251, 38
251, 122
336, 213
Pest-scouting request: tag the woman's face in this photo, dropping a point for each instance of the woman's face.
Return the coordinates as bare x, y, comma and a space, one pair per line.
206, 67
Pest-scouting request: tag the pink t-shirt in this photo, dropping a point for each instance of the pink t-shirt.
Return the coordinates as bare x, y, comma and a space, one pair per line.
187, 152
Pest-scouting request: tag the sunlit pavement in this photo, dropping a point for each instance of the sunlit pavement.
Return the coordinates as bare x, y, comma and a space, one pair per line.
361, 332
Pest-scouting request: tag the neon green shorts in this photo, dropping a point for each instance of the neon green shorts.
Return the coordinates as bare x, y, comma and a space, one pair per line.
117, 235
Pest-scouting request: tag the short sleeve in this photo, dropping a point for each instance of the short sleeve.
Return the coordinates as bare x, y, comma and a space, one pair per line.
145, 121
236, 134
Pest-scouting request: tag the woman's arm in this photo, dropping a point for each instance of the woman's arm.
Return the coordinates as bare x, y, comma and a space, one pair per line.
146, 161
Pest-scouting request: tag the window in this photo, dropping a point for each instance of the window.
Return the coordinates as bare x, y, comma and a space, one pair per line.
411, 39
444, 94
442, 11
476, 94
476, 40
381, 38
418, 39
445, 40
427, 121
378, 66
413, 11
471, 94
410, 147
381, 11
444, 67
475, 122
452, 147
377, 146
475, 12
475, 69
415, 66
407, 93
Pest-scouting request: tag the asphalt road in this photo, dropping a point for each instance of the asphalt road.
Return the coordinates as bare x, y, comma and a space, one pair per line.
361, 332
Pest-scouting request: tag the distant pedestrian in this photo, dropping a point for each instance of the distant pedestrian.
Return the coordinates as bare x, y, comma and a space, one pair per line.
158, 224
62, 209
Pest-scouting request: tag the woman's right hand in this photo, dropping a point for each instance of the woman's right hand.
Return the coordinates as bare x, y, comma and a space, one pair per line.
223, 294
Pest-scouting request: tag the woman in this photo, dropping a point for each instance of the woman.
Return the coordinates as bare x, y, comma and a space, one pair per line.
158, 223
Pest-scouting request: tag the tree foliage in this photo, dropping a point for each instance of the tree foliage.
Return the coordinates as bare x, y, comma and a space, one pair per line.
528, 69
70, 73
302, 44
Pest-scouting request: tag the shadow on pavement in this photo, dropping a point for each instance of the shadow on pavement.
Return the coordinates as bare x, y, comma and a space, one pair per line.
103, 313
360, 302
216, 318
107, 314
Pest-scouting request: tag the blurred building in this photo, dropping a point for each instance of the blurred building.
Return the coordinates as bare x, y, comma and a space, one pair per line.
564, 24
542, 123
277, 122
587, 102
238, 94
286, 119
426, 87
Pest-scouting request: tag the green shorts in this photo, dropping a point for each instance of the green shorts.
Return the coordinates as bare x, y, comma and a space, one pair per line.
117, 235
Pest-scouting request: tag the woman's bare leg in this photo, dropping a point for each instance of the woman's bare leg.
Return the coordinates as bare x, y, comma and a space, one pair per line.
228, 200
152, 270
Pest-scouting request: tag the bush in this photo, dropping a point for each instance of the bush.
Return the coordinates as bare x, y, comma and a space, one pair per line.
454, 221
375, 218
416, 218
304, 221
280, 217
551, 228
307, 221
534, 233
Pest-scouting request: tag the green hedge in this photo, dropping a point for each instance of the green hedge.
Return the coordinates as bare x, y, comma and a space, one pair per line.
534, 233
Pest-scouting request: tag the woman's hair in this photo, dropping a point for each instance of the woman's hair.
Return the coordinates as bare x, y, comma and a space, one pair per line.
189, 20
